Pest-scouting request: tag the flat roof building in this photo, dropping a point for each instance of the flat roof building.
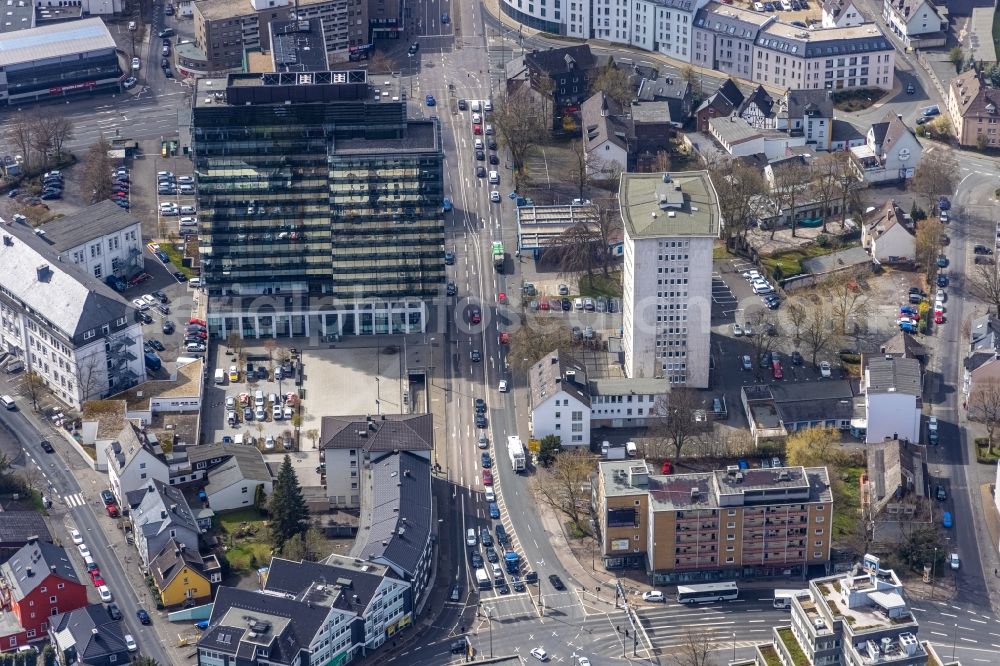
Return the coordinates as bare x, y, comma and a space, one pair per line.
57, 60
731, 523
316, 186
671, 222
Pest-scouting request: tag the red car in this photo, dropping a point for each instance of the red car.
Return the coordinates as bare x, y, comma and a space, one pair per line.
475, 317
197, 322
477, 129
543, 305
505, 338
112, 509
938, 317
487, 477
95, 577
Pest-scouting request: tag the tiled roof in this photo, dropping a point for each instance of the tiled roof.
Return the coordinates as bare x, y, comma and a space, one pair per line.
248, 459
895, 131
95, 221
556, 61
762, 99
32, 564
171, 561
386, 432
18, 526
809, 102
549, 376
887, 217
161, 499
92, 632
893, 375
602, 121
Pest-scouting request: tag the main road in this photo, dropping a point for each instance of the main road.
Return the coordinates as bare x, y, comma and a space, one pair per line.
77, 507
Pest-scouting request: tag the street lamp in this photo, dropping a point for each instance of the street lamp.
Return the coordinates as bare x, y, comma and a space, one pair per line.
489, 620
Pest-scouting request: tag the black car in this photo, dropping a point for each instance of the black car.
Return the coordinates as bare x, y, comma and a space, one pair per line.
114, 611
456, 593
487, 460
765, 360
449, 258
940, 493
462, 105
982, 249
156, 344
167, 73
491, 144
480, 155
477, 559
480, 172
164, 309
485, 537
480, 421
517, 584
501, 532
531, 577
557, 582
452, 289
494, 159
46, 446
475, 356
145, 318
502, 588
414, 47
942, 280
160, 296
168, 327
480, 406
796, 358
566, 305
261, 372
460, 646
143, 616
164, 63
107, 497
491, 554
180, 277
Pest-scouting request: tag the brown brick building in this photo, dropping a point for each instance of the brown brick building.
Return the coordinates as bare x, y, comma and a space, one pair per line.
729, 523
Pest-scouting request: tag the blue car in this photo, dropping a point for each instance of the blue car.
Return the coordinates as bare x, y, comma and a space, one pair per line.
447, 204
487, 461
743, 464
494, 511
162, 256
430, 100
907, 310
944, 204
946, 519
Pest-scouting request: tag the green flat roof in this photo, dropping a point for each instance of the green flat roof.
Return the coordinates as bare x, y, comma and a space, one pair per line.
657, 205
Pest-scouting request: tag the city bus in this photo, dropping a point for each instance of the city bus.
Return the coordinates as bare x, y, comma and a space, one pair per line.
783, 598
693, 594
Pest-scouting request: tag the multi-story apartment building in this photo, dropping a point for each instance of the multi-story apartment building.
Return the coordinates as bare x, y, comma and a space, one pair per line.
724, 38
729, 523
102, 240
65, 325
833, 58
319, 197
973, 105
852, 619
225, 28
671, 222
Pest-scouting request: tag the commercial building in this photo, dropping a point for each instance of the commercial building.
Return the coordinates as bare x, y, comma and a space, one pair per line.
320, 205
776, 410
350, 443
224, 29
67, 326
856, 618
890, 153
830, 58
671, 222
726, 524
57, 60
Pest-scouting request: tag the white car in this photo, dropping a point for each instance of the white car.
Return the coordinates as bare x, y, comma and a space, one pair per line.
230, 402
149, 299
288, 412
761, 287
139, 303
653, 595
188, 180
824, 369
737, 330
758, 6
269, 443
169, 211
188, 210
489, 494
260, 414
747, 329
747, 363
136, 63
940, 296
539, 654
953, 561
752, 276
84, 551
582, 661
130, 643
276, 413
76, 536
470, 537
503, 386
495, 196
105, 594
483, 442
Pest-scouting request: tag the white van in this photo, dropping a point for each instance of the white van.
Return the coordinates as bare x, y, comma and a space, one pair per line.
630, 449
258, 398
483, 580
476, 107
7, 402
220, 376
494, 178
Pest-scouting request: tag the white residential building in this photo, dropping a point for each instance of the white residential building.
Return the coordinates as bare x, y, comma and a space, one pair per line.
349, 443
560, 400
915, 21
670, 223
724, 38
841, 14
891, 152
233, 474
832, 58
132, 463
892, 388
663, 26
72, 330
888, 233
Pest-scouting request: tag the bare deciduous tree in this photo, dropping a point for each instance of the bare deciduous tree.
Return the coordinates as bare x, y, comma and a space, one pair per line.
614, 82
576, 250
797, 315
578, 173
818, 334
927, 244
680, 412
736, 185
97, 167
984, 406
984, 283
62, 131
695, 649
520, 124
33, 386
825, 176
21, 130
90, 372
936, 177
531, 342
791, 187
848, 302
563, 485
846, 183
380, 63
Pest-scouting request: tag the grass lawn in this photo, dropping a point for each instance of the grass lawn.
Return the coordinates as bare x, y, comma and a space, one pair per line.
845, 515
245, 534
176, 258
600, 285
719, 252
791, 261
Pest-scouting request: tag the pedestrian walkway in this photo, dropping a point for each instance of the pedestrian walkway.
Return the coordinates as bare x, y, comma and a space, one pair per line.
74, 500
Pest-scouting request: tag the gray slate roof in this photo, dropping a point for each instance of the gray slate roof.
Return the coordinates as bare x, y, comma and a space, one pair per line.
893, 375
19, 526
293, 624
341, 585
548, 377
731, 22
92, 631
148, 517
810, 102
72, 300
171, 560
387, 432
602, 121
39, 557
985, 334
903, 344
401, 510
556, 61
85, 225
725, 100
249, 461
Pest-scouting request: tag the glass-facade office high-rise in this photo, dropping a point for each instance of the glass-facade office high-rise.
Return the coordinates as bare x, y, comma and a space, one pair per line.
318, 196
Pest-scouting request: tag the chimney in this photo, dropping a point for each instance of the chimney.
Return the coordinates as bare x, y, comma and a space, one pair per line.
33, 539
173, 508
183, 547
43, 272
29, 572
52, 568
163, 514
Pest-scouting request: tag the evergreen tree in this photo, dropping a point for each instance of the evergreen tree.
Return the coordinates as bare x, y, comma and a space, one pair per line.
548, 448
289, 514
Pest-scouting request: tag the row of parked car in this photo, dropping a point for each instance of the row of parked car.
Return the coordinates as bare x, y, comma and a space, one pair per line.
763, 288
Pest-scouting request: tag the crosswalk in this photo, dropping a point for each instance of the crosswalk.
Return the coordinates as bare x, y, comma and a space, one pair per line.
674, 625
74, 500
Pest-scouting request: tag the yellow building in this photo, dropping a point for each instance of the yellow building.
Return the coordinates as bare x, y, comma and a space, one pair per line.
732, 523
182, 575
